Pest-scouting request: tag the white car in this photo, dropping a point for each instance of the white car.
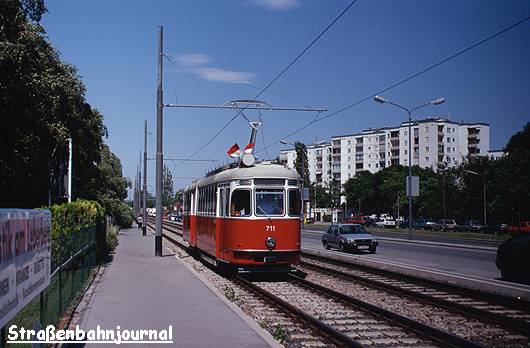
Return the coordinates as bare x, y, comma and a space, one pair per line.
384, 223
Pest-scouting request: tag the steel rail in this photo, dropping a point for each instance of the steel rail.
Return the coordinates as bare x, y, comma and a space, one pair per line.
422, 329
508, 302
327, 330
512, 324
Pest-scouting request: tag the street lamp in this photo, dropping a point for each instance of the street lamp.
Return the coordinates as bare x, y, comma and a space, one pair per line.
483, 175
285, 142
382, 100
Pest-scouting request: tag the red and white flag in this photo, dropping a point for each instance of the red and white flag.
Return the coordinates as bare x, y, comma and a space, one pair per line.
249, 148
234, 151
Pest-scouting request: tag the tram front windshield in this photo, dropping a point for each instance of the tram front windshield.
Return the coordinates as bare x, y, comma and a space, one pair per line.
269, 202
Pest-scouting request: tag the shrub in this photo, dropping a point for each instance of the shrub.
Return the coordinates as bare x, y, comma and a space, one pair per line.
112, 237
124, 216
74, 225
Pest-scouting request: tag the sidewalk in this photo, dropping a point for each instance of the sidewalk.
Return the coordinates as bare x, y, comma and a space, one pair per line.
141, 291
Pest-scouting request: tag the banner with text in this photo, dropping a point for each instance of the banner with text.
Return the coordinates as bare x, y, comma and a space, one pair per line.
25, 258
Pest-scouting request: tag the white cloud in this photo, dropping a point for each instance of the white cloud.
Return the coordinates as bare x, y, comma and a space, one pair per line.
193, 59
221, 75
277, 4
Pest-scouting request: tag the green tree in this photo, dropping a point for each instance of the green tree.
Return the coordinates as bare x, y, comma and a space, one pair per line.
42, 104
300, 163
167, 187
321, 197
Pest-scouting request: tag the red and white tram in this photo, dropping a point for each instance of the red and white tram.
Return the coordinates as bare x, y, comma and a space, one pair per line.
245, 217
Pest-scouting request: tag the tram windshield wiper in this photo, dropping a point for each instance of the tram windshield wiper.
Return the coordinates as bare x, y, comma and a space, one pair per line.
264, 212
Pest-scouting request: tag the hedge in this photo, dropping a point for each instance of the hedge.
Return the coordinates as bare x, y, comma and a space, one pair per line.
73, 226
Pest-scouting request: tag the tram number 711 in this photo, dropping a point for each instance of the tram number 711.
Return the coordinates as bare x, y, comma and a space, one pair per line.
270, 228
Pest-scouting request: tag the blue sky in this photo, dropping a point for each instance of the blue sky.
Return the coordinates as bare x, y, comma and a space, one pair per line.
226, 50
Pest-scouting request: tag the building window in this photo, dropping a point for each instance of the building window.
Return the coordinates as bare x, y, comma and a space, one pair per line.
405, 152
448, 139
426, 159
448, 149
426, 129
369, 148
426, 149
369, 165
405, 132
349, 150
453, 140
349, 142
426, 139
349, 166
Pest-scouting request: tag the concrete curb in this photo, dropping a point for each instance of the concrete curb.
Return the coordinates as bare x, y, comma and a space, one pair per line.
400, 240
264, 334
486, 285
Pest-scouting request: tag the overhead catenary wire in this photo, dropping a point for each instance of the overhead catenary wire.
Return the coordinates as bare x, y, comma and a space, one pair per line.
283, 71
408, 78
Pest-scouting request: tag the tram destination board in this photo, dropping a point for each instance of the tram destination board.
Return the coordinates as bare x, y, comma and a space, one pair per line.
25, 258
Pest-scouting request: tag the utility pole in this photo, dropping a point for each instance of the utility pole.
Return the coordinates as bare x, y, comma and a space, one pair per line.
70, 148
159, 155
144, 218
139, 186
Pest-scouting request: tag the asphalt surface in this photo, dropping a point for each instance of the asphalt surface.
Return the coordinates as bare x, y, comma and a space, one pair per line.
468, 262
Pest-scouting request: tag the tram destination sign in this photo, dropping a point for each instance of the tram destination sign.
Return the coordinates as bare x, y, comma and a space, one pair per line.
25, 258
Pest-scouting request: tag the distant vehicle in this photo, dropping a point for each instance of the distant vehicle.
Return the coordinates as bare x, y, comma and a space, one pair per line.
470, 226
513, 258
522, 227
360, 220
423, 224
349, 237
444, 225
494, 227
173, 216
385, 222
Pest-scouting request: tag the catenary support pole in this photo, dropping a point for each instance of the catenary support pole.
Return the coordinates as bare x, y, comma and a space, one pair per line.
159, 155
144, 216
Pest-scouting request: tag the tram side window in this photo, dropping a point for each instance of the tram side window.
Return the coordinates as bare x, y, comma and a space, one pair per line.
240, 205
294, 202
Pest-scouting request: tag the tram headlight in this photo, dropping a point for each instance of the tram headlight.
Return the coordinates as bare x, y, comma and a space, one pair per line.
270, 242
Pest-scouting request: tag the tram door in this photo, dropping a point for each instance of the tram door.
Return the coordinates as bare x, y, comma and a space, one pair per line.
224, 213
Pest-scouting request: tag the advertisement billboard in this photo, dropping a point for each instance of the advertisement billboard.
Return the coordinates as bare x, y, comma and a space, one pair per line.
25, 258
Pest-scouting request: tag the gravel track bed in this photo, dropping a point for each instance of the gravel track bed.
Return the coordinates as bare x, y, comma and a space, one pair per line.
455, 323
357, 324
285, 329
431, 291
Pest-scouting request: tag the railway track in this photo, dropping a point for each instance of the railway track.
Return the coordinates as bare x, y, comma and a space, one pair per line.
337, 317
510, 314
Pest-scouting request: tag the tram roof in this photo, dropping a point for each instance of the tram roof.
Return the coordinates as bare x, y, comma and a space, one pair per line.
260, 170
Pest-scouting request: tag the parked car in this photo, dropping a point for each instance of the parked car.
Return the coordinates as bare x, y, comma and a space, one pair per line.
359, 220
423, 224
444, 225
173, 216
470, 226
385, 222
494, 227
349, 237
522, 227
513, 258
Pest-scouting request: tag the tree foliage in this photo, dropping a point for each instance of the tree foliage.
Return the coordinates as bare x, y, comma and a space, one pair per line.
42, 105
300, 163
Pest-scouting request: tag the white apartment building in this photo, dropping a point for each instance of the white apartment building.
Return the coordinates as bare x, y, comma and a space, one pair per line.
319, 162
435, 141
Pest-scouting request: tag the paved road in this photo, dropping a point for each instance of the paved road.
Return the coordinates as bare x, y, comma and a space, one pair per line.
417, 235
468, 262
